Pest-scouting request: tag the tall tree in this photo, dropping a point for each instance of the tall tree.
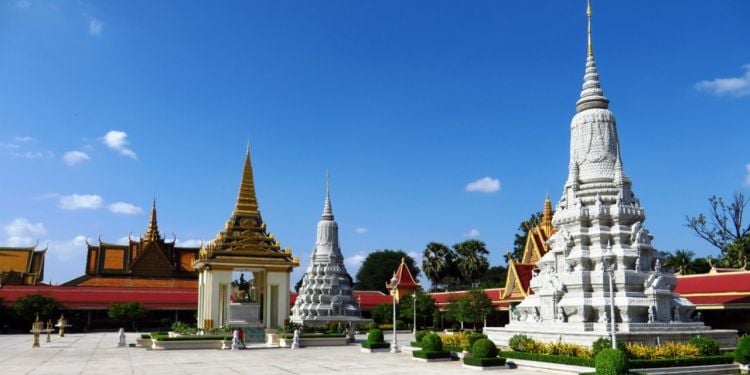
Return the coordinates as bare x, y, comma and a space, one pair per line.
474, 306
523, 234
685, 263
425, 309
437, 260
378, 268
723, 228
494, 277
27, 307
471, 258
129, 312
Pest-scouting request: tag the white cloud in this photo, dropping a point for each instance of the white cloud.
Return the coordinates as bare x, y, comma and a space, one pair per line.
118, 141
124, 208
417, 256
34, 154
23, 138
76, 201
747, 178
353, 262
68, 249
22, 232
95, 27
735, 86
474, 233
9, 146
484, 185
360, 230
72, 158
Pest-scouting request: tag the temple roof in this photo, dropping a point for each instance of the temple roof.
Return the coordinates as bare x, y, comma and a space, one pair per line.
404, 277
718, 290
22, 265
244, 240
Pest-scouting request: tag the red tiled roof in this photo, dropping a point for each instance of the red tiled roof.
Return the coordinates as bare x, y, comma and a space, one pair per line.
405, 279
100, 298
713, 283
444, 298
524, 275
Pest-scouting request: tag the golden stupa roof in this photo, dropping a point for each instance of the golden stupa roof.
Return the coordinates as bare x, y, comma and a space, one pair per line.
244, 240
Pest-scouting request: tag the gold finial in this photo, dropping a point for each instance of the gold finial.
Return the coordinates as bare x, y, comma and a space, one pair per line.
246, 200
588, 15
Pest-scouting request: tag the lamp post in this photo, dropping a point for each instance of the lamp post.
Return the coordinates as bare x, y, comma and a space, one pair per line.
359, 305
608, 263
392, 286
36, 329
414, 314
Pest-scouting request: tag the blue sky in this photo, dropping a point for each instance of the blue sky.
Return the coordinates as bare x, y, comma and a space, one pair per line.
104, 105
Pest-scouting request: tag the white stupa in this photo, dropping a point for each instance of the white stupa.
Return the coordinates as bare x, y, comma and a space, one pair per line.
326, 291
600, 227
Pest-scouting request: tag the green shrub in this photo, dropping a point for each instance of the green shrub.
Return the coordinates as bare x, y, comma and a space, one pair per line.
605, 343
415, 344
375, 336
483, 362
742, 352
420, 335
565, 360
429, 354
483, 348
473, 337
332, 327
375, 345
372, 325
611, 362
432, 343
146, 336
520, 343
681, 362
705, 345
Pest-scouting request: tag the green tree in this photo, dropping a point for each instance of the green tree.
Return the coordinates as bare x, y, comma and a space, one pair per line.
471, 260
425, 309
437, 260
523, 234
494, 277
473, 307
27, 308
129, 312
684, 263
723, 228
378, 269
382, 314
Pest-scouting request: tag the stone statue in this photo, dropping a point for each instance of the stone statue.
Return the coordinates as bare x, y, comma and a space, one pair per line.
651, 314
121, 338
295, 339
698, 316
657, 266
676, 314
535, 315
568, 267
638, 264
236, 340
561, 315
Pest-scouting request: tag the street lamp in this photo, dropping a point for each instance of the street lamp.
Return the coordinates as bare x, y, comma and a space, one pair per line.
359, 305
392, 286
608, 264
414, 314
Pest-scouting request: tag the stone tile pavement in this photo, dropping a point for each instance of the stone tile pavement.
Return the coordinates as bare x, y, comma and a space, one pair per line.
97, 353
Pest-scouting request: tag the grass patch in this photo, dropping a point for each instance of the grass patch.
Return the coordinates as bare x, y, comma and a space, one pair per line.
483, 362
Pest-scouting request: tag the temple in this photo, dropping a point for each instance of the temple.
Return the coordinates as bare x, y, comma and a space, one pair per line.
148, 262
244, 246
406, 285
600, 272
21, 265
326, 291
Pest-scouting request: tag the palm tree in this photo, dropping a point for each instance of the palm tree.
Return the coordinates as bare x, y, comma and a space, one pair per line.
472, 259
681, 261
436, 261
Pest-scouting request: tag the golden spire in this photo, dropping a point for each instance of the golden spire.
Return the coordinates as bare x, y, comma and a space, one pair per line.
547, 216
588, 15
246, 200
152, 231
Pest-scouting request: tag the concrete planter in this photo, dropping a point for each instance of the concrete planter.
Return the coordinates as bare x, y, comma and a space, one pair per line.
484, 368
272, 339
145, 343
707, 369
378, 350
432, 359
191, 344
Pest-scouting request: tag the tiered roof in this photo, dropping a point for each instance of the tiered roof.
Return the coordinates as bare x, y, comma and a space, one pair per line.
244, 240
21, 265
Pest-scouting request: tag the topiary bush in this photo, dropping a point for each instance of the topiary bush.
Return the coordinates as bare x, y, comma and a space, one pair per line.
473, 338
432, 343
519, 343
742, 352
606, 343
420, 335
372, 325
483, 348
705, 345
611, 362
375, 336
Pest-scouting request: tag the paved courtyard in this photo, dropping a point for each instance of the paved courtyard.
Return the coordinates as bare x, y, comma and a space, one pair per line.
96, 353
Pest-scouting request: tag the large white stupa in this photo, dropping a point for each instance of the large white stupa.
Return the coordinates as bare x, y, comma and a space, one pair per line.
600, 230
326, 291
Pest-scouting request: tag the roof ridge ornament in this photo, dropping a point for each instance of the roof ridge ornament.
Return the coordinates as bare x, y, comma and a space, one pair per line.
327, 209
246, 198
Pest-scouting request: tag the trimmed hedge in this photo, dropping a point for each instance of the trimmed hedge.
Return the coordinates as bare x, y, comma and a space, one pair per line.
375, 336
375, 345
189, 338
288, 336
678, 362
705, 345
429, 354
432, 342
742, 352
416, 344
420, 335
561, 359
473, 338
453, 348
484, 348
484, 362
146, 336
611, 362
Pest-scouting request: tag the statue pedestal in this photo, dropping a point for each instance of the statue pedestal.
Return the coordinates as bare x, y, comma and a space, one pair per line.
244, 314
